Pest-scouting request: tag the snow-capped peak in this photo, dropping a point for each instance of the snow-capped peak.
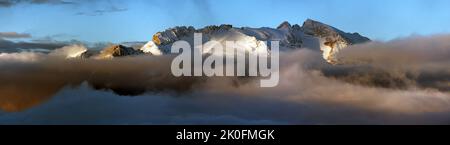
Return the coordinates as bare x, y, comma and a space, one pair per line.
312, 35
150, 47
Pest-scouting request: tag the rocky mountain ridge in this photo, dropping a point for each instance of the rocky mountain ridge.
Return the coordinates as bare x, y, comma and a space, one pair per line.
311, 35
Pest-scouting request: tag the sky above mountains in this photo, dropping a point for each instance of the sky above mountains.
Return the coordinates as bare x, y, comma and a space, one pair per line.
138, 20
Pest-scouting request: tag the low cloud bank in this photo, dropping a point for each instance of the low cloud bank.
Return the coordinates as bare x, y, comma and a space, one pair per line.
405, 81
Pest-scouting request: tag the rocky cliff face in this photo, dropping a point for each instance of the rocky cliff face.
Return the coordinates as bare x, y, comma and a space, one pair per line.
332, 39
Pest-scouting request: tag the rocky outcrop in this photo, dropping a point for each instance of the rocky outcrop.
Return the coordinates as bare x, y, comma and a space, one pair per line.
117, 51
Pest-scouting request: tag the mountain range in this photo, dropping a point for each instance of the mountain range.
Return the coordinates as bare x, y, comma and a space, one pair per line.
311, 35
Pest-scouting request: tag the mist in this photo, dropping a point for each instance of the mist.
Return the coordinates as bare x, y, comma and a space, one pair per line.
403, 81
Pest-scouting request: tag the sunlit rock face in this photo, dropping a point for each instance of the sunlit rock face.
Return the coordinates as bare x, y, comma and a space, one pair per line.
312, 34
117, 51
332, 39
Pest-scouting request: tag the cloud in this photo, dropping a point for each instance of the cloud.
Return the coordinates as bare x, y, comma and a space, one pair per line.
310, 90
6, 3
41, 44
10, 46
106, 6
54, 38
13, 35
99, 12
9, 3
51, 2
417, 61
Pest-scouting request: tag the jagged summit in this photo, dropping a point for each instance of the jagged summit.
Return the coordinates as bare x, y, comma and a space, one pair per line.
285, 25
317, 28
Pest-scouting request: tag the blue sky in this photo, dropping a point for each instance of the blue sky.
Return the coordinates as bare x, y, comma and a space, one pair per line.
138, 20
